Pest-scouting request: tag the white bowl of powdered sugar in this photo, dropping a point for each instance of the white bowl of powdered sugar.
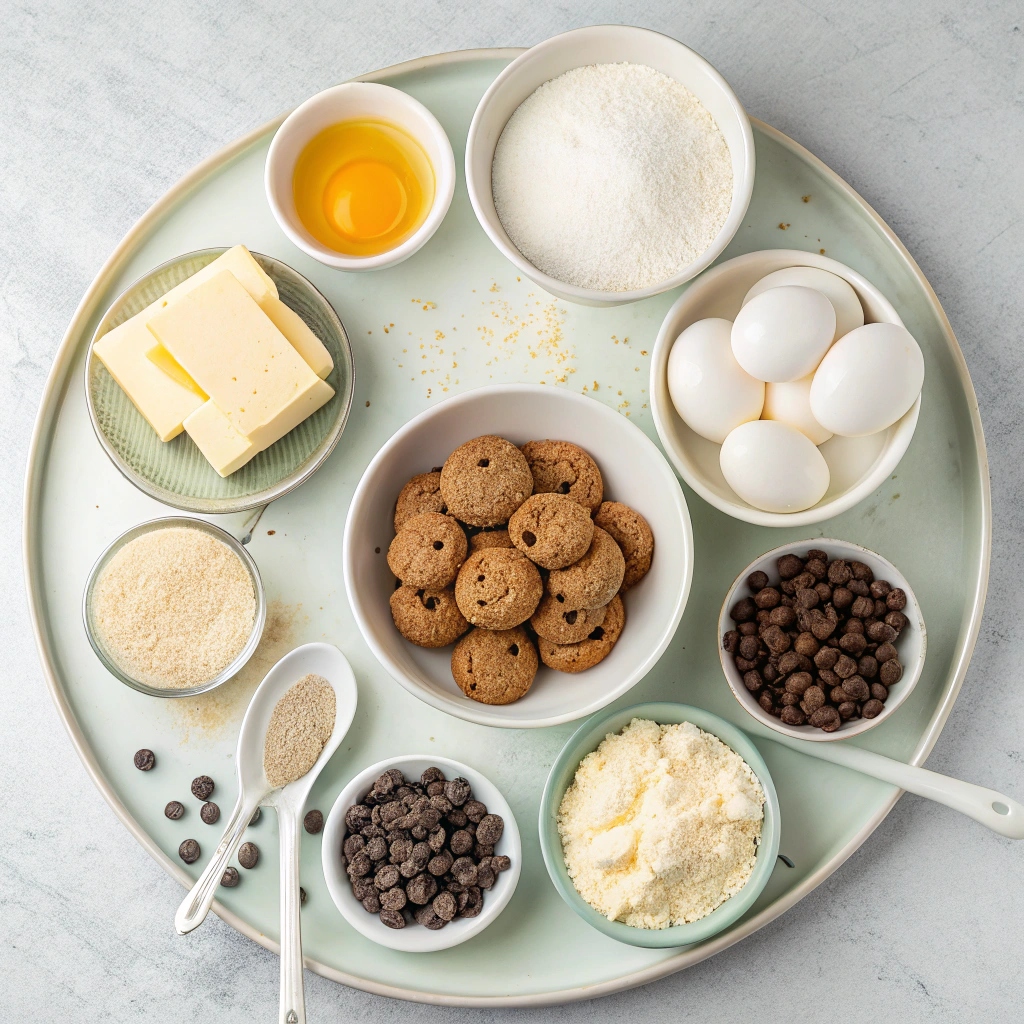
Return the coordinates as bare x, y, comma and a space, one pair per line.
610, 164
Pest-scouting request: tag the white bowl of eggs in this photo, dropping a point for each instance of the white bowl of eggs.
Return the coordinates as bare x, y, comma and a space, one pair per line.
785, 388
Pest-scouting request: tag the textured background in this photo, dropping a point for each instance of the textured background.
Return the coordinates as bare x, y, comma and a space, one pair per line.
919, 105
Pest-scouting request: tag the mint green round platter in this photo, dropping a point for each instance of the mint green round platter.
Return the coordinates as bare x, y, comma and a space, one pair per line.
493, 328
586, 739
175, 472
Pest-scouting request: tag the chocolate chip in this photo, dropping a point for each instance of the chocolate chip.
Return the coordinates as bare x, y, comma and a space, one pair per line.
174, 810
490, 829
255, 817
896, 600
210, 813
872, 708
445, 906
457, 791
891, 672
313, 822
189, 851
302, 895
249, 855
392, 918
144, 760
202, 787
230, 878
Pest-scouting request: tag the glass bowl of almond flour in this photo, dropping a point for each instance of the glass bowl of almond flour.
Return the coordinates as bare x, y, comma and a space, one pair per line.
174, 607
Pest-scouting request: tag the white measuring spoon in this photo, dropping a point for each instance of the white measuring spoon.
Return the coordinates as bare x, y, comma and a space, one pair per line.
994, 810
254, 789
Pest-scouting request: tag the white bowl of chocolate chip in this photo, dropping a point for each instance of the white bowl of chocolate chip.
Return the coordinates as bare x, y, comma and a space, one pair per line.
463, 882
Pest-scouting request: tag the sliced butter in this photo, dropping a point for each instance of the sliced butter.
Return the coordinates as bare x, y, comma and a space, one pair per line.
164, 401
304, 341
232, 350
224, 447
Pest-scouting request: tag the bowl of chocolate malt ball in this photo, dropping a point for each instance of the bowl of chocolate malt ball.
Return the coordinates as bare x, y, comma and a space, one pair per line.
421, 853
822, 639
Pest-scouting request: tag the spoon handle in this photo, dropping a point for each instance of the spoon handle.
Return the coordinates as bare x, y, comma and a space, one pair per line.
196, 905
994, 810
293, 997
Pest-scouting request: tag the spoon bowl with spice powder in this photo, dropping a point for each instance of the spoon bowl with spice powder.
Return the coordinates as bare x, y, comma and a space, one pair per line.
295, 721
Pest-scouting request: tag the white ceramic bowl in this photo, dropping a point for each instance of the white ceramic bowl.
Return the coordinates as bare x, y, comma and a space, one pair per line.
415, 938
605, 44
357, 100
911, 645
634, 471
858, 465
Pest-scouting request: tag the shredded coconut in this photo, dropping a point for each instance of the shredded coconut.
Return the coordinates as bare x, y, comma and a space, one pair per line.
174, 607
301, 723
612, 176
661, 824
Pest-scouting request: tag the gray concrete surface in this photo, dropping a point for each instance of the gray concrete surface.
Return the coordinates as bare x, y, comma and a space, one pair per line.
919, 105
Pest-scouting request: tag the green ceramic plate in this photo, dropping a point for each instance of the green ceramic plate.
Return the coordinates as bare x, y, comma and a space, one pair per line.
175, 472
587, 739
454, 317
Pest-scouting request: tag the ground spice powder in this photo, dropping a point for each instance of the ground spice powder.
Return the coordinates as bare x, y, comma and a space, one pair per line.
302, 722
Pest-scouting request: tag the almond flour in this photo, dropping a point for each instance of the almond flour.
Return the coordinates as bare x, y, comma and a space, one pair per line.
301, 723
661, 824
174, 607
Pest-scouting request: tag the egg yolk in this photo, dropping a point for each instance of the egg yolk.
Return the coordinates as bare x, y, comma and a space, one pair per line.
363, 187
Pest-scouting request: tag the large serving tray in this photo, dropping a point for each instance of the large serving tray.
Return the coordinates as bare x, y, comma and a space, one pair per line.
453, 317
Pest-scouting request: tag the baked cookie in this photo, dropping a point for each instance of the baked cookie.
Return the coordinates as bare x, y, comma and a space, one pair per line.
421, 494
630, 531
485, 480
428, 551
498, 588
564, 468
587, 653
495, 666
427, 618
551, 529
592, 581
490, 539
561, 625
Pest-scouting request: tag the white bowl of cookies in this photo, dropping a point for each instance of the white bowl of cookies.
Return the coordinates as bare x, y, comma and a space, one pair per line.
518, 555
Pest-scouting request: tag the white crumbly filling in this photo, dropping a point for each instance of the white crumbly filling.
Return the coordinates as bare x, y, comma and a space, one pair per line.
661, 824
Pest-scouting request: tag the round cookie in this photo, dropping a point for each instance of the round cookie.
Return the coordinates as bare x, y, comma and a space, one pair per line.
485, 480
490, 539
587, 653
421, 494
495, 666
552, 530
428, 551
498, 588
630, 531
592, 581
565, 468
427, 618
561, 625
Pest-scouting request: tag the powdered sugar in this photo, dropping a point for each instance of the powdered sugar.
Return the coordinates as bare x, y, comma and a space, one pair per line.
612, 176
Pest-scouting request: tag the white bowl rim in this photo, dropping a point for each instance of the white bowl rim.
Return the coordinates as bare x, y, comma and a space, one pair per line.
481, 714
742, 188
444, 181
911, 674
888, 459
408, 939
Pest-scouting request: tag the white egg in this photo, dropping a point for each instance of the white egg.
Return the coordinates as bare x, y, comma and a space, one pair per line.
782, 333
790, 403
708, 388
774, 467
868, 380
849, 312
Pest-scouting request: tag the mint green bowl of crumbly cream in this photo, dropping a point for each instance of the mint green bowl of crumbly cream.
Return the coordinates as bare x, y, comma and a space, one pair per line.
174, 607
658, 824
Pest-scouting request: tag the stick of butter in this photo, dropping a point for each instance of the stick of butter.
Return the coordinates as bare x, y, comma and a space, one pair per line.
162, 399
226, 343
224, 447
303, 340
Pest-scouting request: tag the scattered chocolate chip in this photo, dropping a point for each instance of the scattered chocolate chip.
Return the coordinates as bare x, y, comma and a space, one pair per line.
302, 895
210, 813
174, 810
202, 787
255, 817
230, 878
189, 851
313, 822
249, 855
144, 760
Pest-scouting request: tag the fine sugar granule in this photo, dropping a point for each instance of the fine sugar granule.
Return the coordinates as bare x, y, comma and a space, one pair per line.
302, 722
661, 824
612, 176
174, 607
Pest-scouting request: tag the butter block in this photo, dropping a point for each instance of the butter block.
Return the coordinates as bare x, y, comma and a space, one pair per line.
164, 401
224, 447
303, 340
233, 351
